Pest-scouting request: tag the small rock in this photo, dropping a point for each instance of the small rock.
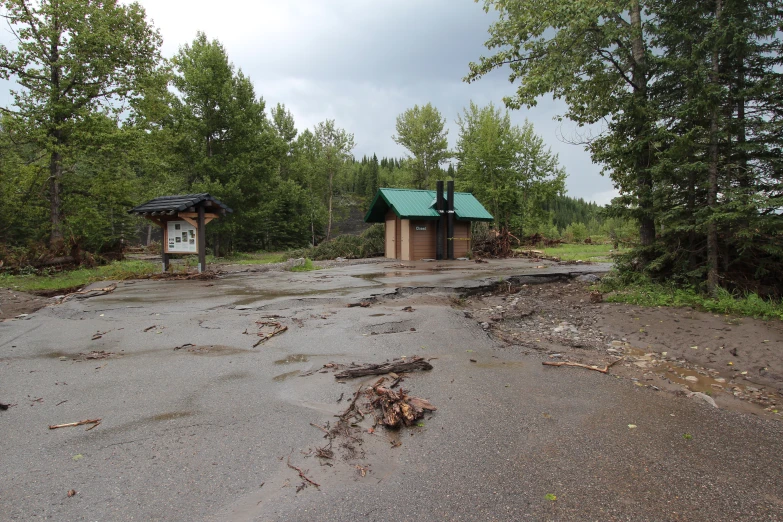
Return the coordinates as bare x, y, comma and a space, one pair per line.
485, 326
691, 378
588, 278
58, 297
703, 397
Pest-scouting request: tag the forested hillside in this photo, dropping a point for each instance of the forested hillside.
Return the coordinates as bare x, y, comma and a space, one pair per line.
686, 97
91, 134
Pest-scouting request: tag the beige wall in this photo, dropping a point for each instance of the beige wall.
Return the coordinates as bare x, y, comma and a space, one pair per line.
391, 234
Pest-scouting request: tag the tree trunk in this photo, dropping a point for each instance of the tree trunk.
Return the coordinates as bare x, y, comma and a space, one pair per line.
712, 191
329, 227
55, 199
149, 234
643, 156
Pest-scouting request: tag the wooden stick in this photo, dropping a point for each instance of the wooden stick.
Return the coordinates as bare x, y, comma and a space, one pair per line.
320, 428
605, 369
301, 473
72, 424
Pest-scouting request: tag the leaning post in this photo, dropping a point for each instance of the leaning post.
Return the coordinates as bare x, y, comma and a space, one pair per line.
202, 241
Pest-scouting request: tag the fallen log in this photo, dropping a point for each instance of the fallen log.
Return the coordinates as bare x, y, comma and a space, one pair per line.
395, 366
605, 369
277, 328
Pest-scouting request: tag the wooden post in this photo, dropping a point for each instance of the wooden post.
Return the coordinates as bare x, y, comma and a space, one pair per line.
164, 256
450, 220
202, 241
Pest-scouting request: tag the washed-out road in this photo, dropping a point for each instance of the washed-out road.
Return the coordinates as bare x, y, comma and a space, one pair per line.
198, 424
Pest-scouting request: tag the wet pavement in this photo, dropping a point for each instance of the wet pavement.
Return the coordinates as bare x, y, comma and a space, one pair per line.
197, 424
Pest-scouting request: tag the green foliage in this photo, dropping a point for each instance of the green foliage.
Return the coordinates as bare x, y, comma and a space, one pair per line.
73, 59
640, 290
689, 96
575, 232
308, 266
118, 270
506, 167
421, 131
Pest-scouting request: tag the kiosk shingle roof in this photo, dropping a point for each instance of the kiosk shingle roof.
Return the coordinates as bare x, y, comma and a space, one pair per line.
176, 203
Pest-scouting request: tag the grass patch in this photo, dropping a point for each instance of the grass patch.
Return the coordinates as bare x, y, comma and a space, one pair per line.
308, 266
243, 258
599, 253
647, 293
117, 270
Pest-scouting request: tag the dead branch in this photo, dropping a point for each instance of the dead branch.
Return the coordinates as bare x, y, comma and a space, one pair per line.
301, 473
605, 369
396, 366
94, 422
277, 328
84, 294
320, 428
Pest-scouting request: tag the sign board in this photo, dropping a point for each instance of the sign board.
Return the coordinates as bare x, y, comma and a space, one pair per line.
181, 238
421, 228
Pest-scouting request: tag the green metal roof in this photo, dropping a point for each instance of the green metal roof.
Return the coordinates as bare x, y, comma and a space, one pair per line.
420, 204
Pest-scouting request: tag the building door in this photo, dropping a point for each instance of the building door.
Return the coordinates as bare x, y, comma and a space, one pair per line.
398, 238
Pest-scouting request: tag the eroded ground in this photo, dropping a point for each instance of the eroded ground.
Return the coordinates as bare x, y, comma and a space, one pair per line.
198, 422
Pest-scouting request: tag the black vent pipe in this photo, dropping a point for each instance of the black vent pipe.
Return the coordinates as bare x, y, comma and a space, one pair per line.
450, 211
440, 225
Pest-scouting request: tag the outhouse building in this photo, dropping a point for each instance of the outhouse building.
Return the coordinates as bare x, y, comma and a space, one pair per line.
426, 224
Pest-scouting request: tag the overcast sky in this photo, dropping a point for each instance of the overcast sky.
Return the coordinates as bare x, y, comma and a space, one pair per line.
362, 63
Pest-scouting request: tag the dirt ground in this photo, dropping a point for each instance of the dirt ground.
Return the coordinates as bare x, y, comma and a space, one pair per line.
13, 303
737, 361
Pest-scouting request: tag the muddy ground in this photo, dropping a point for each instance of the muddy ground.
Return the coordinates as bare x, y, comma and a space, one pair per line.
738, 361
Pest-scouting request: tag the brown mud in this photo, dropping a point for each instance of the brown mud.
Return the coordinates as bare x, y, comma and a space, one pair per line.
738, 361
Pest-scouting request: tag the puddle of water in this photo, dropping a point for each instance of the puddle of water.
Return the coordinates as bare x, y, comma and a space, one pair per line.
294, 358
283, 376
676, 374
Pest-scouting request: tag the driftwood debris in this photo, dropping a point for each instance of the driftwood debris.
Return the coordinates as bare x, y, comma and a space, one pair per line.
396, 366
605, 369
84, 294
94, 423
363, 304
398, 408
264, 325
301, 473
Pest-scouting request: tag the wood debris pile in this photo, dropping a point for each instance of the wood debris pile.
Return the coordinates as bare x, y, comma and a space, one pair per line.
406, 364
185, 276
397, 408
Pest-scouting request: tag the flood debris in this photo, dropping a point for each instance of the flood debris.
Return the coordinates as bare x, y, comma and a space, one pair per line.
267, 329
398, 408
185, 276
94, 423
4, 406
302, 475
363, 304
396, 366
605, 369
95, 354
72, 492
408, 309
147, 329
97, 335
186, 345
84, 294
